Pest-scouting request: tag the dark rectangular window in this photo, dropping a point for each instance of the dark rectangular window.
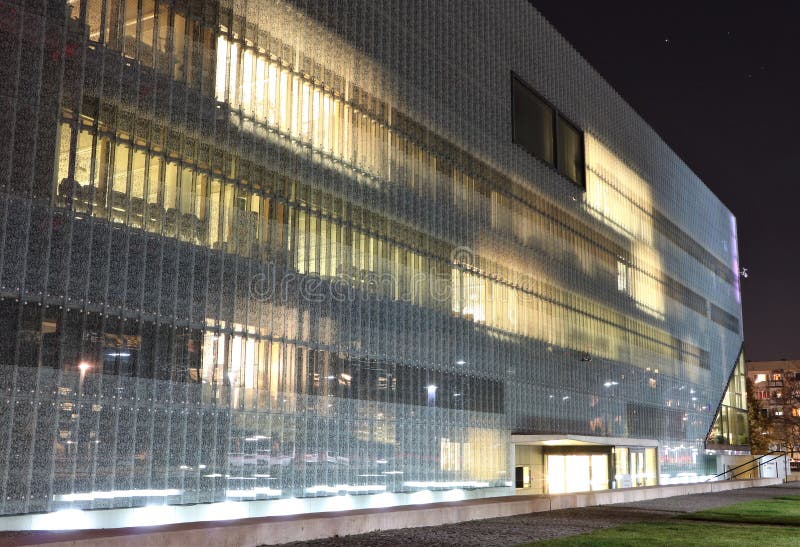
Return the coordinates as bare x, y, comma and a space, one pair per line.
541, 130
533, 122
727, 320
570, 151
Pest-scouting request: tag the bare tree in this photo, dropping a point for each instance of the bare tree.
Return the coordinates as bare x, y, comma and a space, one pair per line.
759, 430
784, 428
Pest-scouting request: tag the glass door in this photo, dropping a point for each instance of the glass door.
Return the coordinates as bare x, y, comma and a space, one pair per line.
576, 473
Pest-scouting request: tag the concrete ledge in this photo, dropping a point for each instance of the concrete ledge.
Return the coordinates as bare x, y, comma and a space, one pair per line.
274, 530
627, 495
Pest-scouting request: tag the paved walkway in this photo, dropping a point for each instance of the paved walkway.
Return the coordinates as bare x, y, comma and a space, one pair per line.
507, 531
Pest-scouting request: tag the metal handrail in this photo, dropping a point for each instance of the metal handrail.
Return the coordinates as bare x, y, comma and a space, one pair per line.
754, 467
778, 452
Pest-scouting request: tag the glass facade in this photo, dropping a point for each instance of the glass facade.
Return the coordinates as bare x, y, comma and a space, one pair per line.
731, 424
262, 250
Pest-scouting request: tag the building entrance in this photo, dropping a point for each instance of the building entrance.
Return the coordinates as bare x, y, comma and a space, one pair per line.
547, 464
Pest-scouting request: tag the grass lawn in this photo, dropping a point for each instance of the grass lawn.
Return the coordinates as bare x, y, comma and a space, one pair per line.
770, 522
684, 533
782, 510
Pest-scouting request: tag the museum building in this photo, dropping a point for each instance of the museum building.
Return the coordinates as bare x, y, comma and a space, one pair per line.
301, 252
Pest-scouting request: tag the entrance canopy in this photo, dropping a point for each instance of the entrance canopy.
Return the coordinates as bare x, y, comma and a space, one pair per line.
579, 440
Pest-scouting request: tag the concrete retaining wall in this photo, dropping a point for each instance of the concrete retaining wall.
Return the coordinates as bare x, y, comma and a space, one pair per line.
273, 530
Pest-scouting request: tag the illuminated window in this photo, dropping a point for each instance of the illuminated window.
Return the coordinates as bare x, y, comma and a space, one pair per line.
544, 132
776, 377
760, 378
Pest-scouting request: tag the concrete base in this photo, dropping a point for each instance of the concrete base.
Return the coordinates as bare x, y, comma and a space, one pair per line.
274, 530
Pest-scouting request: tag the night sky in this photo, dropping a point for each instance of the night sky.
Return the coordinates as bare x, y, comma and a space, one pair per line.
720, 82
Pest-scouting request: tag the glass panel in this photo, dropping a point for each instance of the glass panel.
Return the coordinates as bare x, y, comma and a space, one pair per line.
119, 183
74, 9
260, 87
208, 59
138, 171
195, 54
178, 46
171, 180
155, 208
131, 15
248, 81
147, 32
599, 472
273, 79
215, 198
227, 212
113, 31
84, 192
187, 188
64, 185
186, 205
138, 174
622, 477
651, 466
556, 469
222, 68
233, 67
162, 38
201, 208
93, 14
171, 186
200, 194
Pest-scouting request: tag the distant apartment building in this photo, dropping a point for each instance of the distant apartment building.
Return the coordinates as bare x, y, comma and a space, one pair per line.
775, 384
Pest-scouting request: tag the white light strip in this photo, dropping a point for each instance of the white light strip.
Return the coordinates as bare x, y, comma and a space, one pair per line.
446, 484
111, 494
349, 488
252, 492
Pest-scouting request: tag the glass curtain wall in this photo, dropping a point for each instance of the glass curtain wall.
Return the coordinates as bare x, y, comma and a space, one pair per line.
256, 276
731, 424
